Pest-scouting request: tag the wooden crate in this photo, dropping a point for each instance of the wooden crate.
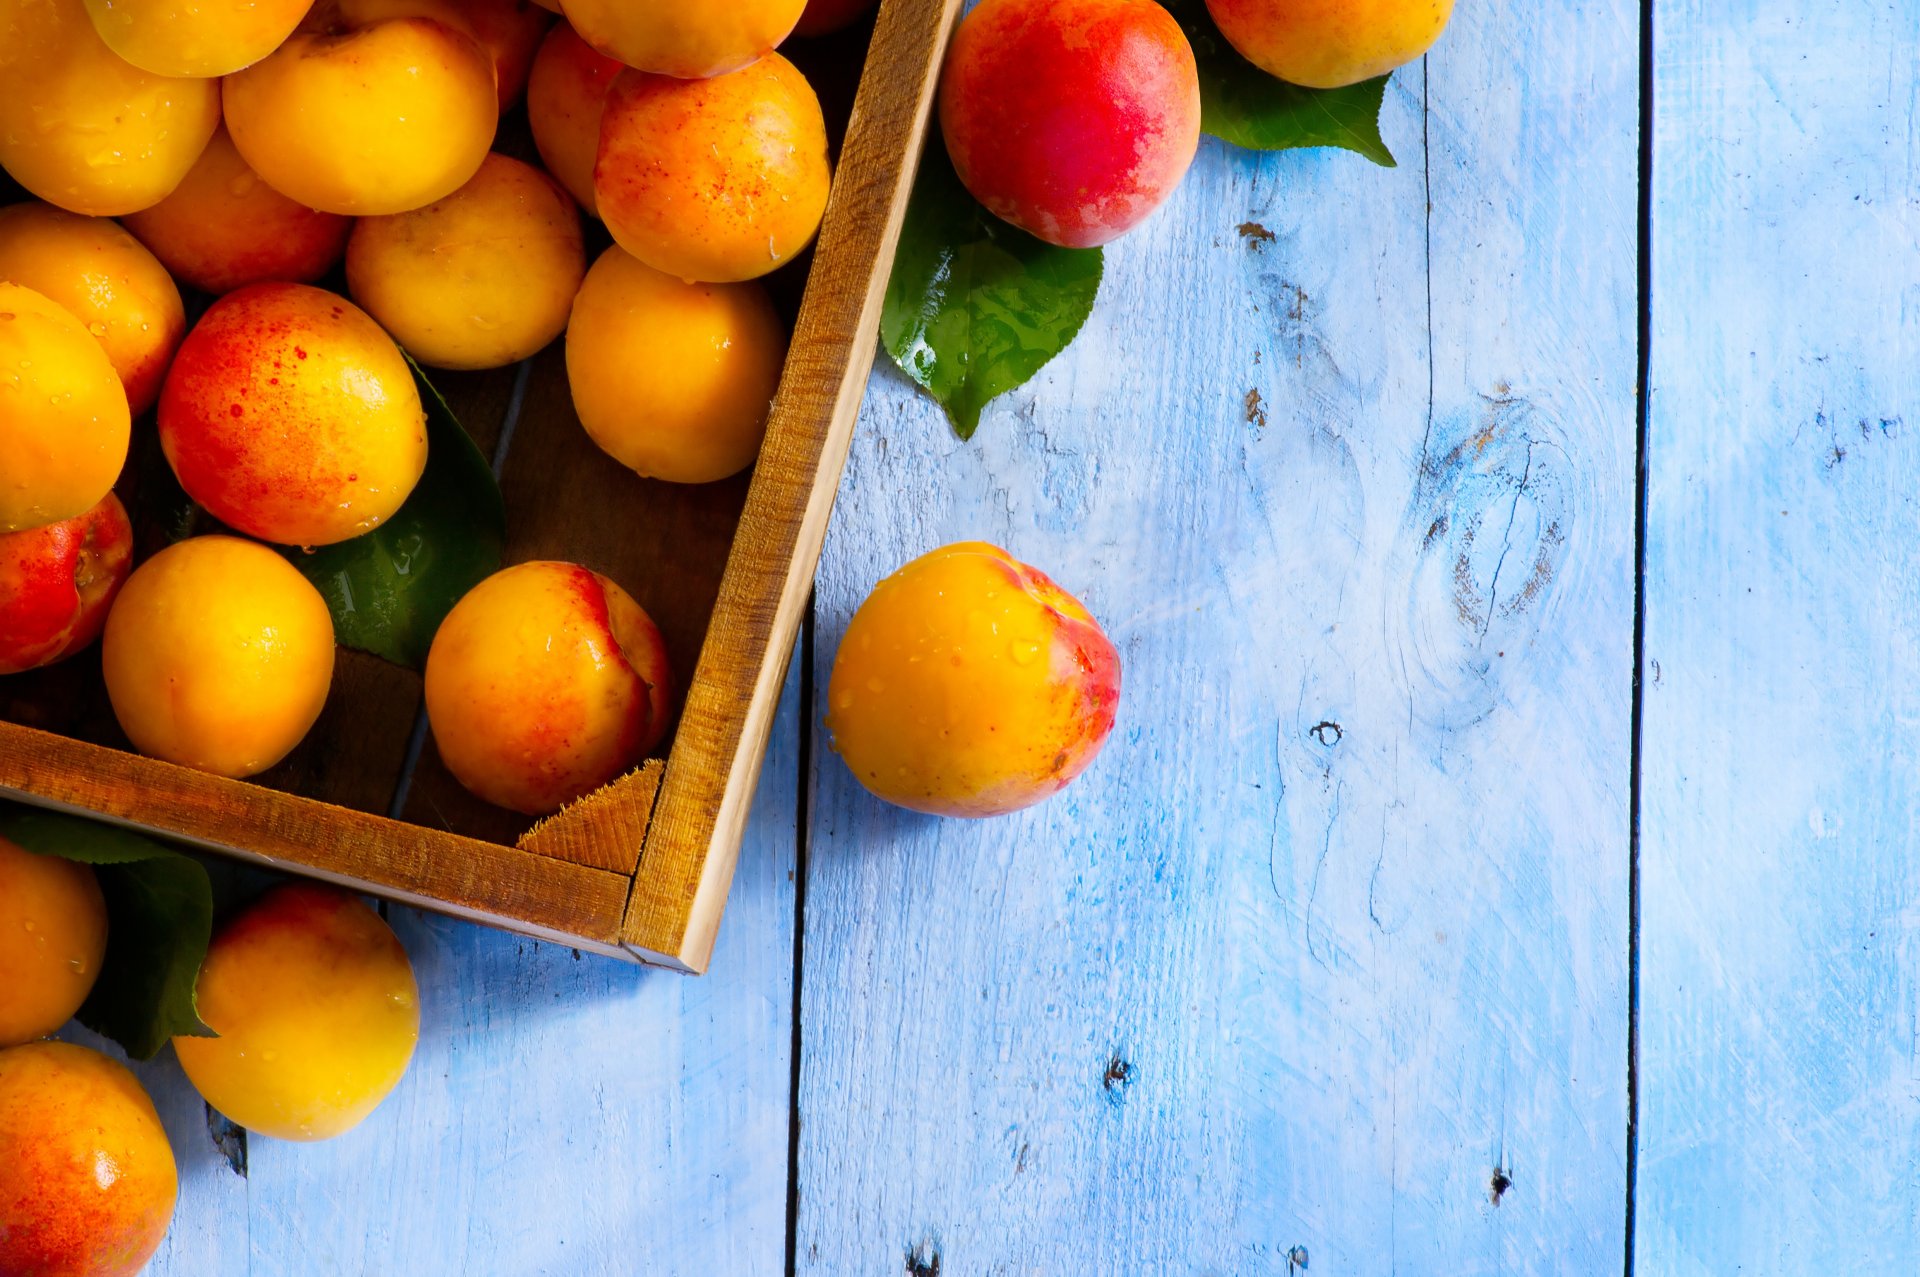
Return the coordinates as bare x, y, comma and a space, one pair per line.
641, 869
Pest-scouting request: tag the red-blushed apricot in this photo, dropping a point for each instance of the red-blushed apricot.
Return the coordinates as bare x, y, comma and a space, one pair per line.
378, 119
198, 38
292, 417
1072, 119
714, 180
566, 94
823, 16
85, 130
687, 41
218, 656
87, 1178
544, 683
673, 380
224, 228
1325, 44
969, 684
53, 936
58, 582
105, 279
64, 424
318, 1013
480, 279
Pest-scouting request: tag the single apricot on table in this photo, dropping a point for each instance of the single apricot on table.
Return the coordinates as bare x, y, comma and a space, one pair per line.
1326, 44
317, 1009
544, 683
84, 129
198, 38
673, 380
566, 96
480, 279
53, 936
687, 41
969, 684
224, 228
107, 280
218, 656
58, 582
64, 424
87, 1178
1072, 119
292, 417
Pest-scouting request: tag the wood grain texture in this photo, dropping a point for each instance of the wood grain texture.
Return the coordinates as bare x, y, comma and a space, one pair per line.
1324, 962
1780, 1008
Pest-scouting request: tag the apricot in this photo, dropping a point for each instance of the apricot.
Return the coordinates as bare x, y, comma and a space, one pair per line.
1072, 119
823, 16
87, 1179
509, 30
57, 583
85, 130
218, 656
969, 684
53, 936
64, 424
377, 119
673, 380
200, 38
714, 180
224, 228
687, 41
544, 683
106, 280
479, 279
1324, 44
318, 1013
566, 94
292, 417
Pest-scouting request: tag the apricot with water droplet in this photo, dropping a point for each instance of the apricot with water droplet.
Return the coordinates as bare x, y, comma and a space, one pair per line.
53, 935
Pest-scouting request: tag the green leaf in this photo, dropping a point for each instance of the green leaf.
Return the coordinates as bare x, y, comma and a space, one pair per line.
389, 589
159, 922
1243, 105
976, 307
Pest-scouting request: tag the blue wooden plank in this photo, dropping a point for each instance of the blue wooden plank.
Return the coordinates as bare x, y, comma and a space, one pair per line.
1780, 1120
1332, 943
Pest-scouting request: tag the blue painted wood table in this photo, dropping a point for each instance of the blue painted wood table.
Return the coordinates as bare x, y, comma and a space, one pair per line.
1503, 861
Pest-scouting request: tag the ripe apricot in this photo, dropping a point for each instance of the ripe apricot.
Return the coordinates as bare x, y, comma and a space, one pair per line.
673, 380
218, 656
318, 1013
53, 935
687, 41
106, 280
823, 16
1072, 119
1325, 44
64, 424
57, 583
376, 119
544, 683
292, 417
509, 30
87, 1179
479, 279
200, 38
85, 130
566, 95
224, 228
714, 180
969, 684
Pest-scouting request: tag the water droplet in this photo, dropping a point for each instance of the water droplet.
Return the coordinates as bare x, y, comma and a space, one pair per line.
1024, 652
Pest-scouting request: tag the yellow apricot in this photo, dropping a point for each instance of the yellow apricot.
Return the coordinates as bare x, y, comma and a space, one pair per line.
64, 424
566, 95
1325, 44
107, 280
479, 279
969, 684
201, 38
318, 1013
218, 656
85, 130
673, 380
53, 934
380, 119
688, 41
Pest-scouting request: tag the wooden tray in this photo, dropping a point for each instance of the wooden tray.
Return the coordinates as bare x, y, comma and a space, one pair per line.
639, 870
